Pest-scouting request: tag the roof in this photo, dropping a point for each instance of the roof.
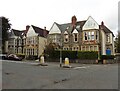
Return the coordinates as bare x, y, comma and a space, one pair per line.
41, 32
69, 27
105, 29
18, 32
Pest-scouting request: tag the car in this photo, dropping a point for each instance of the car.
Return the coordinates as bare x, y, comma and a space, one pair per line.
2, 56
13, 57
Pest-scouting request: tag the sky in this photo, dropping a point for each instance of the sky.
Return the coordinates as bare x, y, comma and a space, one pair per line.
43, 13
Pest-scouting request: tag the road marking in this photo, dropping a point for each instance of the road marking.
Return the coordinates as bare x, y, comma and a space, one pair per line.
81, 67
19, 62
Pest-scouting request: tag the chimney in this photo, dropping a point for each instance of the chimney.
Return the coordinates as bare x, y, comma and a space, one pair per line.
44, 32
102, 23
27, 27
74, 20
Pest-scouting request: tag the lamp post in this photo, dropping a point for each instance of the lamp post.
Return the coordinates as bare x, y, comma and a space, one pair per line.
61, 51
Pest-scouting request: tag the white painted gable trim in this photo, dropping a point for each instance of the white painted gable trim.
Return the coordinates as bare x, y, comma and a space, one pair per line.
90, 24
31, 32
55, 29
75, 31
65, 32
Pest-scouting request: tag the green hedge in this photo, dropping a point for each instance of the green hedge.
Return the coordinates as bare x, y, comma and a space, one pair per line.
75, 54
107, 57
87, 55
69, 54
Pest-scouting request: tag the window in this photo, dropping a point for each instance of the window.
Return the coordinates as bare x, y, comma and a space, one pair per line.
92, 36
75, 37
95, 48
108, 38
89, 36
66, 38
91, 48
85, 36
33, 51
83, 48
96, 35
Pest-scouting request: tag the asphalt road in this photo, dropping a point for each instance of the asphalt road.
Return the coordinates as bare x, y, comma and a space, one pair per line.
28, 75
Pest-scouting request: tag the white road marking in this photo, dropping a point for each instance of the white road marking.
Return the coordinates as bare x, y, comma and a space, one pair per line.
81, 67
19, 62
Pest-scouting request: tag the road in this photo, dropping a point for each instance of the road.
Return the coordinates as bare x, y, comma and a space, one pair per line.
29, 75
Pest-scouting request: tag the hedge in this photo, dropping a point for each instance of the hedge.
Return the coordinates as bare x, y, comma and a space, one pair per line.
87, 55
69, 54
75, 54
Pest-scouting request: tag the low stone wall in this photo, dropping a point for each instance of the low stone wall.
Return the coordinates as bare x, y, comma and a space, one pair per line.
84, 61
110, 61
117, 57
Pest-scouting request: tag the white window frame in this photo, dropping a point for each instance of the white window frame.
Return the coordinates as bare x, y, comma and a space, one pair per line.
74, 37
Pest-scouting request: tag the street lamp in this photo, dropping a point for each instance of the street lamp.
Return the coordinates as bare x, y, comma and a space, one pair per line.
61, 51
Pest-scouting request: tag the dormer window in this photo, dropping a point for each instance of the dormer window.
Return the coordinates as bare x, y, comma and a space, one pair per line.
75, 37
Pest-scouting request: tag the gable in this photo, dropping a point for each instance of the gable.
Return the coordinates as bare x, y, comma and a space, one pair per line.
55, 29
90, 24
31, 32
65, 32
75, 31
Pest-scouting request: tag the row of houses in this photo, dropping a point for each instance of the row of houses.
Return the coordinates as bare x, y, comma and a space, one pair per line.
86, 35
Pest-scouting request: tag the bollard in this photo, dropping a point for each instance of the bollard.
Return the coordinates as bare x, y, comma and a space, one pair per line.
96, 61
66, 62
67, 65
42, 60
104, 61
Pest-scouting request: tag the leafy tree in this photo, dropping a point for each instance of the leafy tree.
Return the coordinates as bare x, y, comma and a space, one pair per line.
5, 27
49, 50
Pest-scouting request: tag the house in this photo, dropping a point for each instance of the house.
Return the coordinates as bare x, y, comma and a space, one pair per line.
30, 42
86, 35
15, 41
35, 41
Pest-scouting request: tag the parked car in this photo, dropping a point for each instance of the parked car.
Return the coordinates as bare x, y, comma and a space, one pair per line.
2, 56
13, 57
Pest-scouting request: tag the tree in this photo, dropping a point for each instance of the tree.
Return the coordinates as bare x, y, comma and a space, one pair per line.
49, 50
5, 27
118, 42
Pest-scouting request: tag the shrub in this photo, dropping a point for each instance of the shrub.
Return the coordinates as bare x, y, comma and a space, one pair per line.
69, 54
87, 54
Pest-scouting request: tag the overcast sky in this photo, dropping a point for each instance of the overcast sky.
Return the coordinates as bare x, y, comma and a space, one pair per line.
45, 12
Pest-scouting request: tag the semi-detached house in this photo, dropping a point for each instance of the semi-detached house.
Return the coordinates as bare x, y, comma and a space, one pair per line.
86, 35
30, 42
